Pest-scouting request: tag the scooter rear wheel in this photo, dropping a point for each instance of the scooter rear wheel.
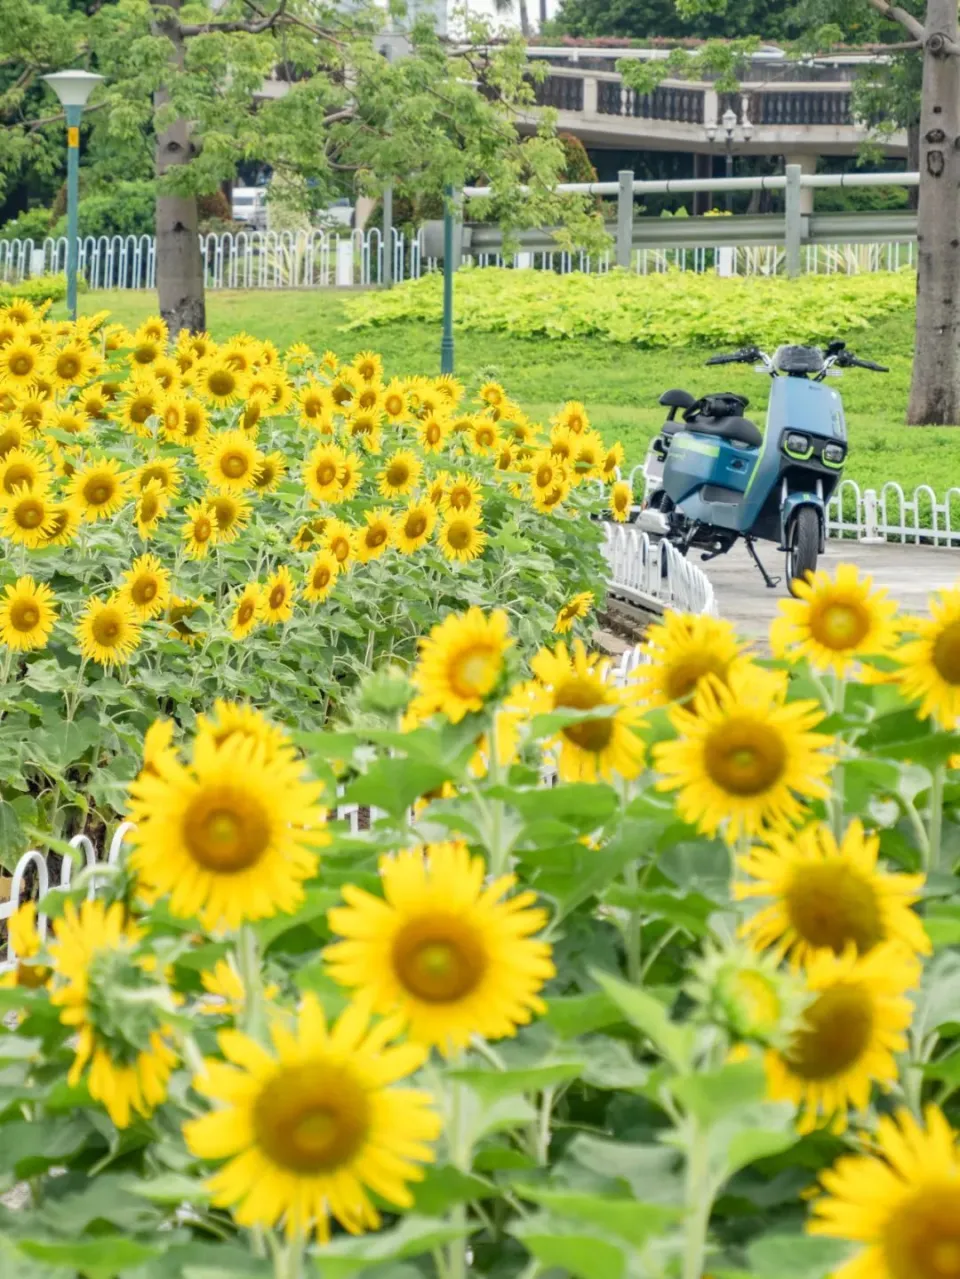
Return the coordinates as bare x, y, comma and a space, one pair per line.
804, 546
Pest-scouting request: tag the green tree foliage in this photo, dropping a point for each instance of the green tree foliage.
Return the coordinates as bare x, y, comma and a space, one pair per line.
643, 19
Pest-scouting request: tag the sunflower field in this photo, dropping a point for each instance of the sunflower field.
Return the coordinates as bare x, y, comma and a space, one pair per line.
193, 521
648, 979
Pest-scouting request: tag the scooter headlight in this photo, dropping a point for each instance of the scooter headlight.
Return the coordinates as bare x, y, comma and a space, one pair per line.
797, 443
833, 453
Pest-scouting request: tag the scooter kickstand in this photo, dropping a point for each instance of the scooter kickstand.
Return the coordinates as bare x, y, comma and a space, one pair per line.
771, 582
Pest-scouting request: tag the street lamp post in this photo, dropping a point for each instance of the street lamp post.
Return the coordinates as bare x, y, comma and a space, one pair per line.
446, 341
728, 124
73, 88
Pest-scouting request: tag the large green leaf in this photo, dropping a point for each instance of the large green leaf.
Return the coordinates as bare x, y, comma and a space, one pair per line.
578, 1252
650, 1172
650, 1017
413, 1237
394, 784
492, 1085
102, 1258
711, 1095
443, 1185
573, 1015
628, 1219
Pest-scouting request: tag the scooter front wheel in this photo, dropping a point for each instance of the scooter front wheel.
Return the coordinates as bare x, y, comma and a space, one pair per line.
804, 546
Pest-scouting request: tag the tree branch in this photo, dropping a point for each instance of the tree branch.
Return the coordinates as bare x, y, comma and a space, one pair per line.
894, 13
52, 119
228, 28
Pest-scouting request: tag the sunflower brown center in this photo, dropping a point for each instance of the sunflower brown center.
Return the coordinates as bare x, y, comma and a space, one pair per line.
683, 676
321, 577
68, 366
416, 525
376, 536
98, 491
921, 1239
107, 628
225, 829
29, 514
140, 410
202, 529
145, 354
619, 501
312, 1118
21, 364
744, 757
460, 498
340, 547
459, 535
946, 653
326, 473
277, 596
830, 905
394, 405
839, 625
245, 612
234, 465
836, 1031
439, 958
582, 695
149, 508
24, 615
18, 473
397, 473
221, 382
144, 590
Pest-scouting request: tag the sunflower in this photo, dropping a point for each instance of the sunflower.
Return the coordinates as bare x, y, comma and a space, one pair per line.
399, 475
445, 948
27, 614
322, 471
99, 489
272, 470
611, 463
157, 746
576, 607
492, 393
108, 630
856, 1021
316, 407
321, 576
27, 518
462, 662
433, 432
368, 366
231, 461
216, 381
231, 836
930, 663
199, 532
33, 409
900, 1200
235, 719
462, 494
825, 896
146, 349
504, 460
63, 525
339, 538
195, 421
365, 426
21, 312
239, 353
247, 611
230, 514
20, 363
25, 944
743, 758
394, 403
351, 473
278, 596
13, 435
588, 456
308, 533
369, 398
298, 353
166, 470
253, 409
68, 421
344, 387
483, 437
621, 501
310, 1125
140, 404
682, 650
414, 526
172, 412
151, 507
128, 1072
373, 540
180, 616
834, 621
603, 745
24, 469
546, 474
71, 365
461, 538
563, 444
573, 416
146, 587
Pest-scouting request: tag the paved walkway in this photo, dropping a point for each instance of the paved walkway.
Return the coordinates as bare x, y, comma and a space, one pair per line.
909, 573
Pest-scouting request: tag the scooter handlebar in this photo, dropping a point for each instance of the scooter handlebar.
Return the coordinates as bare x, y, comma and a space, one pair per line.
738, 357
869, 364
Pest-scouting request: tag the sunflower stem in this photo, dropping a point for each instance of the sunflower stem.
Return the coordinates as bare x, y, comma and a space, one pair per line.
634, 931
699, 1203
936, 820
248, 965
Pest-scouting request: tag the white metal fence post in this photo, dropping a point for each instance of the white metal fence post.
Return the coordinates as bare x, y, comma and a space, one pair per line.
625, 218
793, 219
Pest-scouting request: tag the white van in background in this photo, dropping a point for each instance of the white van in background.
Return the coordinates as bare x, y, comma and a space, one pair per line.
249, 204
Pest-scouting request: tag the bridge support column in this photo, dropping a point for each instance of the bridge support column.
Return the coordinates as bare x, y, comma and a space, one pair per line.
625, 219
808, 165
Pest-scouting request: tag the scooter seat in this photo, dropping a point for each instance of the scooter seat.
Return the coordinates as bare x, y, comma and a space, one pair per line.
739, 429
677, 399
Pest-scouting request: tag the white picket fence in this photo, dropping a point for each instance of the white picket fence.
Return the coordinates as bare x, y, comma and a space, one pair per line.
322, 259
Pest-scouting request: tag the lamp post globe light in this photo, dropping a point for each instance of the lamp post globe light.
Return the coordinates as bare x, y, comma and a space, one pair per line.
727, 127
73, 88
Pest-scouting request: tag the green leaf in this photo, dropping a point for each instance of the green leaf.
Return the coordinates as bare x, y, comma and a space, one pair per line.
109, 1197
572, 1015
394, 784
316, 903
31, 1148
100, 1258
170, 1188
650, 1017
492, 1085
626, 1218
443, 1186
753, 1132
12, 839
710, 1095
412, 1237
777, 1256
939, 999
555, 1242
650, 1172
611, 1064
577, 804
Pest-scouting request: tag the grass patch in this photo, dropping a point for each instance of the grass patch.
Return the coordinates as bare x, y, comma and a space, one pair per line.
619, 384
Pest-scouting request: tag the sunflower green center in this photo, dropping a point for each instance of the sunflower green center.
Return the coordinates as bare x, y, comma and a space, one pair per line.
830, 904
579, 694
234, 465
758, 1001
107, 628
946, 653
312, 1118
24, 615
835, 1033
439, 958
839, 625
326, 473
221, 382
921, 1239
683, 676
744, 757
416, 525
226, 830
29, 514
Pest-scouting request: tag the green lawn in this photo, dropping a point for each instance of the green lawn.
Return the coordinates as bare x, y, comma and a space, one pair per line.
619, 384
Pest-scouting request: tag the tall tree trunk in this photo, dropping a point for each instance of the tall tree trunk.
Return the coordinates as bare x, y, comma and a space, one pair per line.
913, 159
543, 14
935, 391
524, 18
179, 265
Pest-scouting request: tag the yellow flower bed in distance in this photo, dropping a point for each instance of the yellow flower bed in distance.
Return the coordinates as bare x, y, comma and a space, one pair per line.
651, 978
187, 520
